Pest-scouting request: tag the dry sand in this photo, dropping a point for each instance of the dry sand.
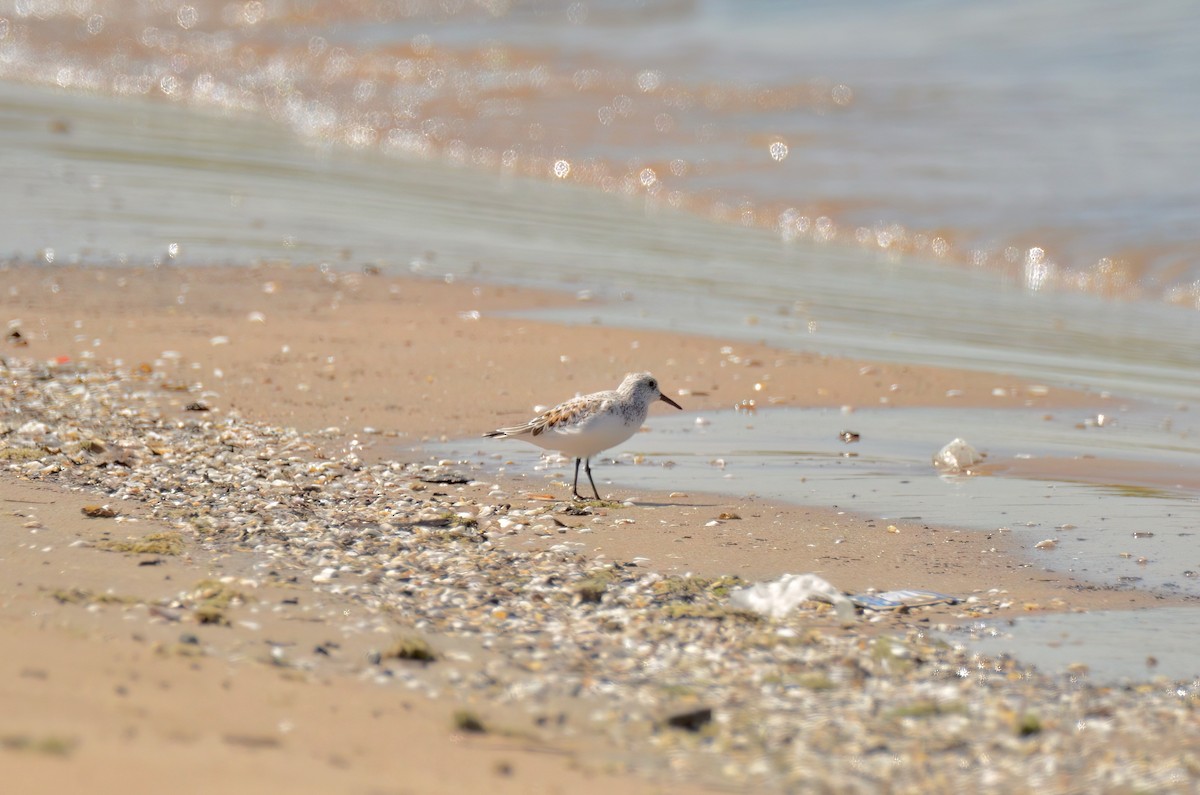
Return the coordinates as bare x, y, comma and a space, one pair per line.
107, 694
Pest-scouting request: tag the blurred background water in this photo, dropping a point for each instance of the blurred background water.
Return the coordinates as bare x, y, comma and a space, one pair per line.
1004, 186
1051, 142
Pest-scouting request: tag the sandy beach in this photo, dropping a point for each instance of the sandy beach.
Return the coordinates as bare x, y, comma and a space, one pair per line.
269, 271
262, 643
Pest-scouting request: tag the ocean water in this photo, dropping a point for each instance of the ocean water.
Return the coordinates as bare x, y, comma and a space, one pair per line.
1048, 142
1005, 187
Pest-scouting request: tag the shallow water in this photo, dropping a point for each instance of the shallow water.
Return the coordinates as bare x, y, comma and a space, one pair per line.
1147, 644
1139, 530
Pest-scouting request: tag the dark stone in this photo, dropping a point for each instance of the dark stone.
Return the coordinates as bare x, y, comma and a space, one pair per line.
693, 720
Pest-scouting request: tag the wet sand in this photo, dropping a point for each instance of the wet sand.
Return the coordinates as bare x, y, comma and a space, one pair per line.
411, 357
101, 688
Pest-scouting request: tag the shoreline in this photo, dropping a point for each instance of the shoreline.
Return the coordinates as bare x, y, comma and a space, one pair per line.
455, 540
307, 348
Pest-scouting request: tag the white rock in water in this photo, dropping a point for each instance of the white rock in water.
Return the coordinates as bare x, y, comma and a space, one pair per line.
958, 456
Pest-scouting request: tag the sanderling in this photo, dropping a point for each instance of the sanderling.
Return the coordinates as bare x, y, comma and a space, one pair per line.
583, 426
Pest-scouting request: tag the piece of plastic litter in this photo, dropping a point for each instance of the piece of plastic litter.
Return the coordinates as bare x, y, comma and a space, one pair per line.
908, 597
779, 597
957, 457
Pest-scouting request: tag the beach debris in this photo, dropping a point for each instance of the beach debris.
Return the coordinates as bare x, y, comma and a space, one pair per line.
211, 614
957, 457
446, 479
218, 593
211, 600
166, 614
692, 720
50, 745
1143, 534
904, 598
327, 574
1049, 543
746, 406
255, 741
98, 511
467, 721
690, 588
777, 598
410, 647
849, 437
165, 543
33, 428
592, 588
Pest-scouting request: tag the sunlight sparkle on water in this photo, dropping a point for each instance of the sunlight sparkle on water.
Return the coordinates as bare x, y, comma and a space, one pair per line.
368, 75
1037, 269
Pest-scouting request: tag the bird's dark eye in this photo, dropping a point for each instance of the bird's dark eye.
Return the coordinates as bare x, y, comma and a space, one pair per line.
653, 384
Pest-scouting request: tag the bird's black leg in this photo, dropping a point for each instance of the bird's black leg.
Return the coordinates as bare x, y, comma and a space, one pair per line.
587, 467
575, 485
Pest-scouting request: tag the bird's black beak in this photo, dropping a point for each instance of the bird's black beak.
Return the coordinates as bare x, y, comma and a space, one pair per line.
666, 399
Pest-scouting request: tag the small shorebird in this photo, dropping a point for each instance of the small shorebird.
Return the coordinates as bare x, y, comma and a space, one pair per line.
583, 426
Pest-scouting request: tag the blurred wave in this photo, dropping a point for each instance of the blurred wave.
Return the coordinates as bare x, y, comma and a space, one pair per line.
1050, 143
